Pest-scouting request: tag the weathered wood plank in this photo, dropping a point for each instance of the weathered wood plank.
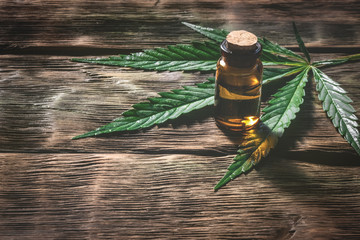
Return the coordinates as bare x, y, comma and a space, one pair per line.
144, 24
122, 196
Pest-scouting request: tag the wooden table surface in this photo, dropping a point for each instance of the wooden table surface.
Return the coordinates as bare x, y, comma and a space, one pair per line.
158, 183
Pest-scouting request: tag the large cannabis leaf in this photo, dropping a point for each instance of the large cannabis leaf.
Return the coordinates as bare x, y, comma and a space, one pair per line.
285, 104
198, 56
282, 109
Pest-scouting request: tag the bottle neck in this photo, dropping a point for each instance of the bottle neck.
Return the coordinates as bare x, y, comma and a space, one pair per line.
240, 58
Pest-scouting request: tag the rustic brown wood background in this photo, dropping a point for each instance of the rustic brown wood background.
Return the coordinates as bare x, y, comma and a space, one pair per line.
158, 183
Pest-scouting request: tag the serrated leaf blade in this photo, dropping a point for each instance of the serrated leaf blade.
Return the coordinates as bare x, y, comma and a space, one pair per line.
337, 61
291, 95
301, 43
199, 56
217, 35
277, 50
160, 109
249, 157
337, 106
272, 74
271, 59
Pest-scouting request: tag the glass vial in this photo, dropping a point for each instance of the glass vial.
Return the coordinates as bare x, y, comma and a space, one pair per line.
238, 82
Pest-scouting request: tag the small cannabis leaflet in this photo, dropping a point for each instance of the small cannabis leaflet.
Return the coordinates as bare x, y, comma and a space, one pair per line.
277, 115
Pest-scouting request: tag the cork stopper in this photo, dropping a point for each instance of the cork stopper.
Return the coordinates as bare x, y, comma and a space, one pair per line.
241, 40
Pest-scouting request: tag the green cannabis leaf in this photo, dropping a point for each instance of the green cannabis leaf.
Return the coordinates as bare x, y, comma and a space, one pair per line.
284, 106
281, 109
160, 109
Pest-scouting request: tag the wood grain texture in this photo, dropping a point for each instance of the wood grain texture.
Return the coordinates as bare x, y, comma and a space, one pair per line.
142, 24
157, 183
112, 196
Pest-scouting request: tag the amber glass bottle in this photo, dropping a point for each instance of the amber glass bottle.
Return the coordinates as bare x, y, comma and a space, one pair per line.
238, 82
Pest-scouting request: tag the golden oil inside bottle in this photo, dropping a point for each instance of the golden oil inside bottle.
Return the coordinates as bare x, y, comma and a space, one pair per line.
238, 87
